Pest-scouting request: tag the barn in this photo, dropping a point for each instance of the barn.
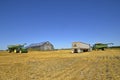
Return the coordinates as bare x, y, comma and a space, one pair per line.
41, 46
78, 47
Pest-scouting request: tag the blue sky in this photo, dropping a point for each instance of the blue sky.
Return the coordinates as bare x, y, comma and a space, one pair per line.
59, 21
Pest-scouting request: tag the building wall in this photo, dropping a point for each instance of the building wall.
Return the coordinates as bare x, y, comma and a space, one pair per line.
47, 47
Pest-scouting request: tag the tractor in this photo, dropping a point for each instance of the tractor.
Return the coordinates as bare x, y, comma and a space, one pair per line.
17, 48
101, 46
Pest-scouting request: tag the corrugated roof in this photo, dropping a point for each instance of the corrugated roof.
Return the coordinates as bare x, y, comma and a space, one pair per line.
37, 44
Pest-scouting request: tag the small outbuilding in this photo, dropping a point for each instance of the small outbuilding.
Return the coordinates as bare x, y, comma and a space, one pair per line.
78, 47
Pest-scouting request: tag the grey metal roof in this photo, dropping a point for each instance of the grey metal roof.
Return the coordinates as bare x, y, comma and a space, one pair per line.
37, 44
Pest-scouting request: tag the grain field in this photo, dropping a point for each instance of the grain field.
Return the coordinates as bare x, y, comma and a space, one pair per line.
60, 65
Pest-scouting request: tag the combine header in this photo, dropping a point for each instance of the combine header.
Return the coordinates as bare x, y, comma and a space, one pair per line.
17, 48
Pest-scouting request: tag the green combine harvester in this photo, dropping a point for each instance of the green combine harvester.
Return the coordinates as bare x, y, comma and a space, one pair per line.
101, 46
17, 48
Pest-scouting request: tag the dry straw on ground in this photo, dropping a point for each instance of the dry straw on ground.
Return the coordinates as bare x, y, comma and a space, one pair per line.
60, 65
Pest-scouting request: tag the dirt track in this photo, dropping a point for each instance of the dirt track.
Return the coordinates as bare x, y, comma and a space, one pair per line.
60, 65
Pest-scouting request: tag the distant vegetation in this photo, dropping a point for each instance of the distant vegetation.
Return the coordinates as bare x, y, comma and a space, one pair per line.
115, 47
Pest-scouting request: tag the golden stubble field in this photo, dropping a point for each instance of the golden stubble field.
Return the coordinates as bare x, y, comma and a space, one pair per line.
60, 65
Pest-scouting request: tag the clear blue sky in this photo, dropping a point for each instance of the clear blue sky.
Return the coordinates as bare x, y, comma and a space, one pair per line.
59, 21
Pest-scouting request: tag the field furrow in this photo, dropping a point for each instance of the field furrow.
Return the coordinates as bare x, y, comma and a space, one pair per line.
60, 65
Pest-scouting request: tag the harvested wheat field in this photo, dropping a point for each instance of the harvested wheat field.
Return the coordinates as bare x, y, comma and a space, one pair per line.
60, 65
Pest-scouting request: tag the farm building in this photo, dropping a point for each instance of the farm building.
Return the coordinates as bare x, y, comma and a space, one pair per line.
78, 47
41, 46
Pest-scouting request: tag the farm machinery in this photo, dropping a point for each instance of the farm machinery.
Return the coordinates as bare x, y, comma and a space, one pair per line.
101, 46
17, 48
